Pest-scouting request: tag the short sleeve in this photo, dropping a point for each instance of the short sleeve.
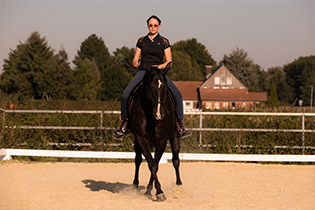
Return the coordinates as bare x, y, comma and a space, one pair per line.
139, 42
166, 43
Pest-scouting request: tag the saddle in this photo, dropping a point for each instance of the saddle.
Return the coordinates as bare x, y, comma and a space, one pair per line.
135, 93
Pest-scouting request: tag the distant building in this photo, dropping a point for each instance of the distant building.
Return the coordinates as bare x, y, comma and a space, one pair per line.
221, 89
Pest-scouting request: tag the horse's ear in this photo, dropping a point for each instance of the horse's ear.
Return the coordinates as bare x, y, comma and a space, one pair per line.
168, 66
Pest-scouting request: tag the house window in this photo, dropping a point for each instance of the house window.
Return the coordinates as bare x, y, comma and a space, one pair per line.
222, 80
229, 80
217, 105
188, 105
208, 105
243, 104
217, 80
225, 105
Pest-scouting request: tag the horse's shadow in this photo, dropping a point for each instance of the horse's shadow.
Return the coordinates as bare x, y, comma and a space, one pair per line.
110, 187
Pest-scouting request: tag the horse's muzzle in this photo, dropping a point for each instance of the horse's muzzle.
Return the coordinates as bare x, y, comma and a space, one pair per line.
158, 116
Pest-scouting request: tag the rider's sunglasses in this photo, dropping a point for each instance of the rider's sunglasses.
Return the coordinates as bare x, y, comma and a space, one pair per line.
151, 25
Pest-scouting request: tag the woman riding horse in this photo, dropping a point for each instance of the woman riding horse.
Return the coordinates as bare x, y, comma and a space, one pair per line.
151, 48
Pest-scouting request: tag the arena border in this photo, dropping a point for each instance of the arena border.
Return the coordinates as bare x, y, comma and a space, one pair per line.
6, 154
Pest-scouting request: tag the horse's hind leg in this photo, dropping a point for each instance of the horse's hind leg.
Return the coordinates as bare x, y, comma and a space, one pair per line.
138, 160
175, 145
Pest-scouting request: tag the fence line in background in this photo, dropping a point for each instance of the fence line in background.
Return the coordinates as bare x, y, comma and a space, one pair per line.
201, 114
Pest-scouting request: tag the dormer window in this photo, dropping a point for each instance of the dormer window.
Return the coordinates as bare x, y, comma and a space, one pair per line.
223, 80
229, 80
217, 80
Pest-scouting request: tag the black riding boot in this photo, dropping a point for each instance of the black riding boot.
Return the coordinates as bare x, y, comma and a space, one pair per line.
183, 131
119, 134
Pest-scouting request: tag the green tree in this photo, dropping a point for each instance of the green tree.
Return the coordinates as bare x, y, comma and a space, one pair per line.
124, 57
114, 81
32, 70
94, 48
276, 77
65, 75
263, 83
87, 80
300, 75
242, 67
273, 97
198, 53
182, 68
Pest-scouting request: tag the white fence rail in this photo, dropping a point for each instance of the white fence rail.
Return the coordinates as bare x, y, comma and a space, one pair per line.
302, 130
5, 154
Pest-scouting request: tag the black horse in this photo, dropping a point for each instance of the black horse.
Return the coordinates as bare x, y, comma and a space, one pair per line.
152, 121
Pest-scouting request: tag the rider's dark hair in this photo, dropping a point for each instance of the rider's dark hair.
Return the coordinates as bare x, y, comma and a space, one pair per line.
155, 17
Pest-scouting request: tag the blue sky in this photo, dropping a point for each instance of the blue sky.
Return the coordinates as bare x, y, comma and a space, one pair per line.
273, 33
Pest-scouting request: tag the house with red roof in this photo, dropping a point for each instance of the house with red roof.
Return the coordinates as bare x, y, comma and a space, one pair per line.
221, 89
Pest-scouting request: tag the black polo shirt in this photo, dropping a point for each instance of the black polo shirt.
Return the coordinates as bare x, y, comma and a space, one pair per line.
152, 52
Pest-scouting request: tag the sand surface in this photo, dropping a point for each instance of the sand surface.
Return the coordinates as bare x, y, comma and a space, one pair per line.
99, 186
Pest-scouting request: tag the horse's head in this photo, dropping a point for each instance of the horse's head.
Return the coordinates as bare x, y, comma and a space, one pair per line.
157, 89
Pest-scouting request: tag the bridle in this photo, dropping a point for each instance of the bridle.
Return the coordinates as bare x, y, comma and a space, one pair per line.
158, 101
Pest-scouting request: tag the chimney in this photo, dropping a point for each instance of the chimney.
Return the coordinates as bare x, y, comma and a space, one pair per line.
208, 71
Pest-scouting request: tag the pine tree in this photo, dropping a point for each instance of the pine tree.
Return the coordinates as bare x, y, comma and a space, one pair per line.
242, 67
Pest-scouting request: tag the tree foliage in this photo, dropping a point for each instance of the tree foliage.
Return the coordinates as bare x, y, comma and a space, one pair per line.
242, 67
182, 68
199, 55
87, 78
124, 57
300, 75
114, 81
33, 70
273, 98
276, 77
94, 48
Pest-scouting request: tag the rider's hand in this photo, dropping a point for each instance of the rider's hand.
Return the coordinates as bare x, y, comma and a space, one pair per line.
136, 64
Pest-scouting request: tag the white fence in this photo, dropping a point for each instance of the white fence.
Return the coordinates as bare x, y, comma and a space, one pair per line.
302, 130
5, 154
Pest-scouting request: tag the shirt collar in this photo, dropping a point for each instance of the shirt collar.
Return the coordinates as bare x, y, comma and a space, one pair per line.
154, 37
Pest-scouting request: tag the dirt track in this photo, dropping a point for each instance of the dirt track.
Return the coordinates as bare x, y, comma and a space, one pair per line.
108, 186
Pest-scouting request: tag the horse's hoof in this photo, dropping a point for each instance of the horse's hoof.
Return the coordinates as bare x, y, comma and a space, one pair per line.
179, 183
160, 197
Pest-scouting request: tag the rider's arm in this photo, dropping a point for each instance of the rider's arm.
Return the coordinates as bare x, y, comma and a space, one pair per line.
136, 58
168, 58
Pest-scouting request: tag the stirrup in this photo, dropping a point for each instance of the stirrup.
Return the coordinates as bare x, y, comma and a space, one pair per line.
119, 135
184, 132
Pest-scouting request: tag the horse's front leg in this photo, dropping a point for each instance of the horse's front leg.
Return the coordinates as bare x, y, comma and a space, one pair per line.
138, 160
159, 150
153, 166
